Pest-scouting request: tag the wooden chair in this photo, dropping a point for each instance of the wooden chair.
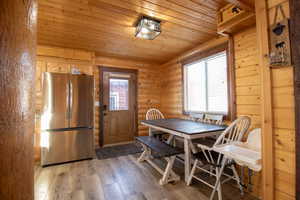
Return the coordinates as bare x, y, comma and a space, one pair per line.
207, 157
213, 119
153, 114
196, 116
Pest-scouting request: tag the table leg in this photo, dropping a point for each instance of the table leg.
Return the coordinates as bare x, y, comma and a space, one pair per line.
150, 131
187, 159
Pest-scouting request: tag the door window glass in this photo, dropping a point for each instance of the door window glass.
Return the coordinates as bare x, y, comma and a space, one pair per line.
118, 94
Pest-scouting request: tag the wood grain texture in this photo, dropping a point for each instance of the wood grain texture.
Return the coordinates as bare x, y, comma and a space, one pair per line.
148, 86
58, 60
262, 24
118, 126
246, 5
17, 61
283, 106
294, 6
103, 26
121, 178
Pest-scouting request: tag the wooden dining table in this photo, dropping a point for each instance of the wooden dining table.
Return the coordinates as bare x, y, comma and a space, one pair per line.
186, 129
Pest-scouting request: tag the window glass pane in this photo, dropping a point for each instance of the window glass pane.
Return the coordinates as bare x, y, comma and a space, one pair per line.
217, 84
205, 85
195, 87
118, 94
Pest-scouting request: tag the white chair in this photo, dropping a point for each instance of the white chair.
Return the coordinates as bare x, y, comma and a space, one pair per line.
196, 116
213, 119
254, 143
243, 153
153, 114
210, 162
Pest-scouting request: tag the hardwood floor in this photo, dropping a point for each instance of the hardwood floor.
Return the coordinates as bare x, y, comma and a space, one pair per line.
121, 178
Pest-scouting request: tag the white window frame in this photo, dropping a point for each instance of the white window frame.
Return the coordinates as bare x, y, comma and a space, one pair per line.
185, 97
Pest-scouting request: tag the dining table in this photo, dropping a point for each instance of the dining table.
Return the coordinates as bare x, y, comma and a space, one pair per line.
188, 130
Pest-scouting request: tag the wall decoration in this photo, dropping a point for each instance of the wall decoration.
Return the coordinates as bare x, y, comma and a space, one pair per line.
280, 48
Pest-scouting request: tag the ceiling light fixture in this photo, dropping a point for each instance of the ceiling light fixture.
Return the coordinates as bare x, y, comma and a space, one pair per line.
147, 28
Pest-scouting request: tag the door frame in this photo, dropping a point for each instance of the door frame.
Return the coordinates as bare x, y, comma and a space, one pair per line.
295, 39
101, 98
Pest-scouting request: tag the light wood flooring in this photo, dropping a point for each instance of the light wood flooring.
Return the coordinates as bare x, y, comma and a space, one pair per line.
121, 178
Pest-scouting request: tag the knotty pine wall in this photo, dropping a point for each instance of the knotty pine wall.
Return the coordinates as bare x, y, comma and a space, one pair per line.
283, 106
148, 85
248, 93
60, 60
56, 59
171, 91
248, 84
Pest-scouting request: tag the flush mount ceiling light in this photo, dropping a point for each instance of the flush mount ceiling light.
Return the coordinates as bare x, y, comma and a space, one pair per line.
147, 28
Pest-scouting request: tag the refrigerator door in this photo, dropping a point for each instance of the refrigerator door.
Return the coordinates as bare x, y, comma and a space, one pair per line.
65, 146
81, 101
55, 101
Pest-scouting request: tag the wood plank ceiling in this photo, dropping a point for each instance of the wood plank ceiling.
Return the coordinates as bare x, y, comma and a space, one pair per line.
107, 26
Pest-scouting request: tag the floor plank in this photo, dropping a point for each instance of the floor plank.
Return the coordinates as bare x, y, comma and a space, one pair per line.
121, 178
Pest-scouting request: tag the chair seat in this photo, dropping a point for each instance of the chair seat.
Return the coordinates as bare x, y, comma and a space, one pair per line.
215, 155
208, 141
200, 156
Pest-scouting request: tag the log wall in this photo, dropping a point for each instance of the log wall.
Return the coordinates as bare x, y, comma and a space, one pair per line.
248, 100
148, 86
283, 107
59, 60
62, 60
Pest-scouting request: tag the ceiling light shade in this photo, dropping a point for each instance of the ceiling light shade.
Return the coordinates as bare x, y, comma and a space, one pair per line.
147, 28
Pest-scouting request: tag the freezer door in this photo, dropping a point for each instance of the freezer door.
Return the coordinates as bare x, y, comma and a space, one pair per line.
65, 146
55, 113
81, 100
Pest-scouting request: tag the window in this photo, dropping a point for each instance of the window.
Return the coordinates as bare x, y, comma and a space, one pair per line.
118, 94
206, 85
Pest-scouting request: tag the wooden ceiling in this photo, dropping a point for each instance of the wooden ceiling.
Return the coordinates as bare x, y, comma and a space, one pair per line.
107, 26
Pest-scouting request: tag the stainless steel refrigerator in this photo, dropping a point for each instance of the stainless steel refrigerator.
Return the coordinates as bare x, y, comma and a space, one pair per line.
67, 118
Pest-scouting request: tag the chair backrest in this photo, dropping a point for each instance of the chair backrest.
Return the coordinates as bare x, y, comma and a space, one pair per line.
254, 139
153, 114
235, 131
213, 119
196, 116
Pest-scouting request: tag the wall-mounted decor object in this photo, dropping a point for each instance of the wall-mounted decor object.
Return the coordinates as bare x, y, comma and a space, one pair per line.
232, 19
280, 48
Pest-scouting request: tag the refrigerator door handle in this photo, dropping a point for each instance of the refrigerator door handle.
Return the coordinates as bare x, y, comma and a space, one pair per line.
68, 100
71, 100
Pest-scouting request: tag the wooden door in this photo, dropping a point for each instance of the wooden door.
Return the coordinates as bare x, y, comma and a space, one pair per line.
119, 107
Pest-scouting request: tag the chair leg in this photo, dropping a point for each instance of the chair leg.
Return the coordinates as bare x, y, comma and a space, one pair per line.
211, 169
218, 186
192, 172
218, 181
237, 178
